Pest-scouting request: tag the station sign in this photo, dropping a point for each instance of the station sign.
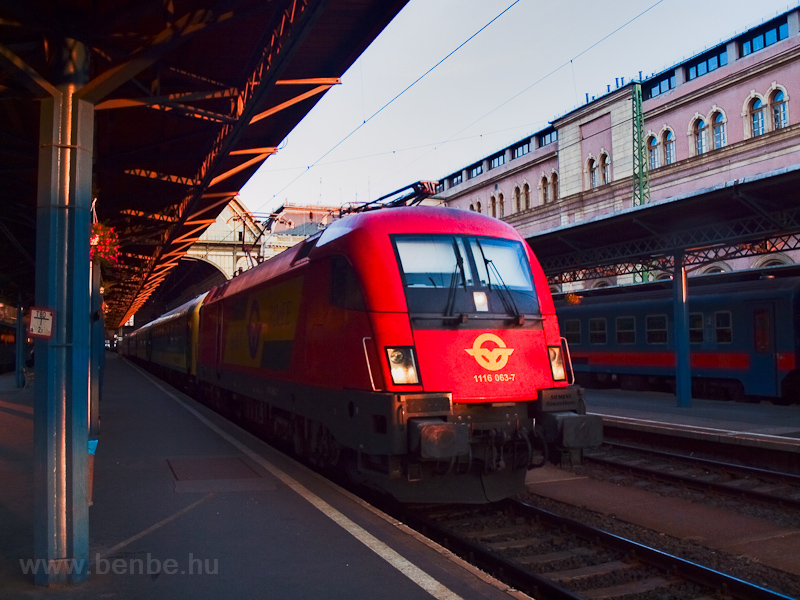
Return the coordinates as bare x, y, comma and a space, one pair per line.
41, 324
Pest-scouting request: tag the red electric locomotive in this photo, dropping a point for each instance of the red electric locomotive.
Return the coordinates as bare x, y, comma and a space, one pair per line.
418, 346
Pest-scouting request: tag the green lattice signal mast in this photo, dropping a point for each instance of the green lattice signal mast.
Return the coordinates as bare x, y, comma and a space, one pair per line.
641, 175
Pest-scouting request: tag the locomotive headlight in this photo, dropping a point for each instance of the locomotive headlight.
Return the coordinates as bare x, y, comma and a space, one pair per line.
557, 363
403, 365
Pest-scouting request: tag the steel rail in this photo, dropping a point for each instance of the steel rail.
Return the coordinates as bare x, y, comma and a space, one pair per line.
684, 479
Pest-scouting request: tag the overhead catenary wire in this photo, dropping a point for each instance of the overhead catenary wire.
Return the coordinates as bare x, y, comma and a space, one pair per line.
390, 102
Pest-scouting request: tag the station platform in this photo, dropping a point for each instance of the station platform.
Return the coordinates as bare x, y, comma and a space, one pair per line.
760, 424
187, 505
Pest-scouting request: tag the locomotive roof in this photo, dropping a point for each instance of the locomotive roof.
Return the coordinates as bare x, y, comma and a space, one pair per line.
175, 312
420, 219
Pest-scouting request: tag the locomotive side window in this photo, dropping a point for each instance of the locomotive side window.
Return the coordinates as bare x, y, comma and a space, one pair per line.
656, 326
345, 289
597, 331
626, 330
724, 327
762, 331
696, 328
572, 331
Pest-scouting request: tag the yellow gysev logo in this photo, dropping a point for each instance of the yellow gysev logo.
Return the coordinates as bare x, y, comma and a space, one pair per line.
491, 360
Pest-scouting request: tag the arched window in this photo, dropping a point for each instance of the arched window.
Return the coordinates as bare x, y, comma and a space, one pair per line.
669, 147
545, 191
502, 204
472, 207
526, 193
478, 206
517, 199
653, 155
605, 169
756, 117
554, 187
493, 204
780, 116
700, 143
718, 124
592, 173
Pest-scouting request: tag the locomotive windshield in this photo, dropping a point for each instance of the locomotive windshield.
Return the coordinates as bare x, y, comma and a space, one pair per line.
463, 275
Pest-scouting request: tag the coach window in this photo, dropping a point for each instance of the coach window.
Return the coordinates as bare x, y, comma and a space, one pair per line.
724, 327
696, 328
626, 330
597, 331
572, 331
656, 326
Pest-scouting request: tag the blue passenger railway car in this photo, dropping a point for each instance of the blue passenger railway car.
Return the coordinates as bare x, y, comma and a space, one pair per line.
744, 334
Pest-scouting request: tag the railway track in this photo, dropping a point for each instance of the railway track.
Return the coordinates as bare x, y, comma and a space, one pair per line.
772, 487
555, 558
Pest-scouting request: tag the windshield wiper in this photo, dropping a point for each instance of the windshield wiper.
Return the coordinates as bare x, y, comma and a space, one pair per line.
458, 269
502, 289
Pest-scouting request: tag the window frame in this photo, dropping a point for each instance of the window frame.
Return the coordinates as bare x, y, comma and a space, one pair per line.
699, 129
625, 340
668, 140
756, 115
653, 335
601, 331
718, 328
572, 335
695, 330
719, 129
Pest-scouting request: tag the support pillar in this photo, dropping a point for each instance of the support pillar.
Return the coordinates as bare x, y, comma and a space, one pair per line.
683, 371
20, 345
61, 401
98, 350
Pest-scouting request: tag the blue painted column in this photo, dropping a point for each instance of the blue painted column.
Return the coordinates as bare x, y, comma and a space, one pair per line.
61, 399
20, 345
683, 372
98, 350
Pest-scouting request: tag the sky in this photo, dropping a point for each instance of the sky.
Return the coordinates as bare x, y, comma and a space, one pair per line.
449, 82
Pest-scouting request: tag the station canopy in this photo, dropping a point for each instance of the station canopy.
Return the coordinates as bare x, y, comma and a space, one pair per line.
190, 98
756, 216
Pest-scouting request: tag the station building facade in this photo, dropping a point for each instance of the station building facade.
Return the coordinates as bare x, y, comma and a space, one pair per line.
730, 114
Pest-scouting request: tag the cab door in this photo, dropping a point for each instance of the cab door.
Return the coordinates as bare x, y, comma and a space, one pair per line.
763, 365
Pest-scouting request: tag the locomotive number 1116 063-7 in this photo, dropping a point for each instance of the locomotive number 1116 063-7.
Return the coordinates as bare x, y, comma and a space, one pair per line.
494, 377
